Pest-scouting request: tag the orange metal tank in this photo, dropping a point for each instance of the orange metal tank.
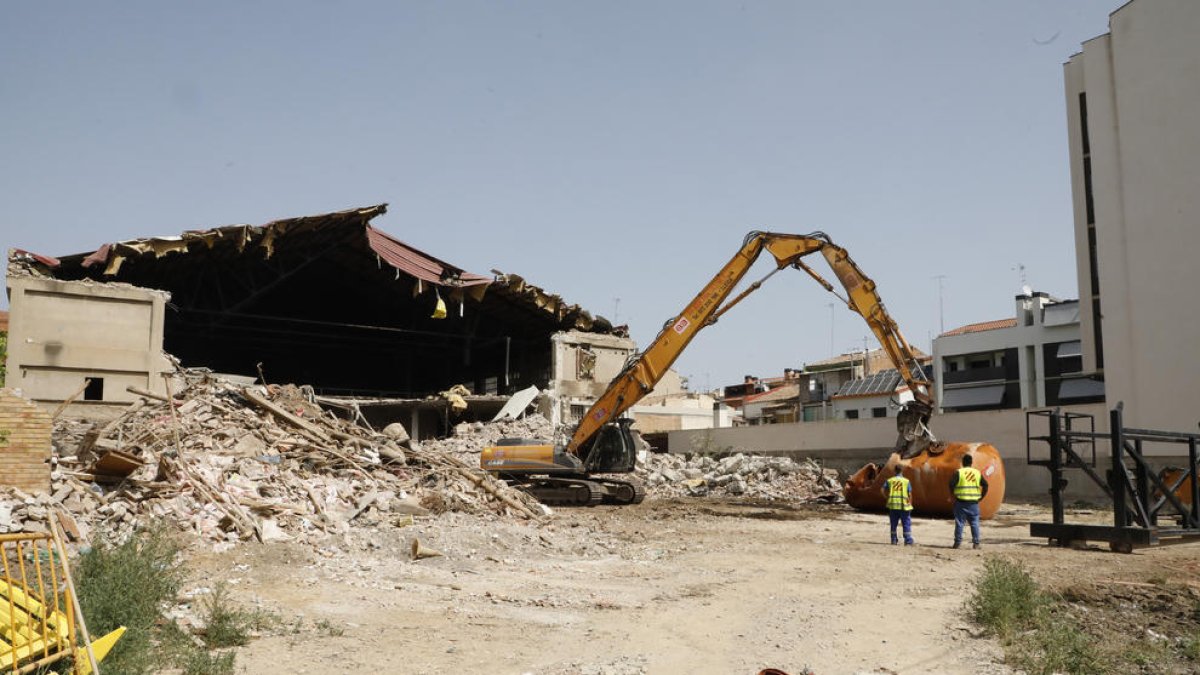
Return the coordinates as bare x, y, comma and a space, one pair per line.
930, 473
1169, 476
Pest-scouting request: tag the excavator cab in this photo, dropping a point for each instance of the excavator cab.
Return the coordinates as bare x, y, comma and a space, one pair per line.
562, 478
614, 450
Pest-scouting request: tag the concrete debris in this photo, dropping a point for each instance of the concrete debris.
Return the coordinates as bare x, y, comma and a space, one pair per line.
231, 463
738, 475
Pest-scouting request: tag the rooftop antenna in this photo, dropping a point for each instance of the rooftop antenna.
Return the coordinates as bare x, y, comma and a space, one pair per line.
941, 307
1020, 269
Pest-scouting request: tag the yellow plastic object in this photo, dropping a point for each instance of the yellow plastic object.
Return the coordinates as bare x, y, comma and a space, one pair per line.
100, 649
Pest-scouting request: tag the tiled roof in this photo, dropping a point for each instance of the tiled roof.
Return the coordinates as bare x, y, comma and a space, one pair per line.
3, 322
981, 327
878, 360
786, 392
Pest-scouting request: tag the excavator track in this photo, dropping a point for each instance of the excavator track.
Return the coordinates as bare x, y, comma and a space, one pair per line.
622, 492
563, 491
582, 491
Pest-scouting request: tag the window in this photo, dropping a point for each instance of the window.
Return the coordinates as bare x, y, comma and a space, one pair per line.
94, 390
585, 363
879, 412
577, 411
851, 414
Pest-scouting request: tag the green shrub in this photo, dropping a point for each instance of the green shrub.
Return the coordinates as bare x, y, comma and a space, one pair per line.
127, 585
225, 624
1039, 638
1063, 648
1006, 598
200, 662
1191, 648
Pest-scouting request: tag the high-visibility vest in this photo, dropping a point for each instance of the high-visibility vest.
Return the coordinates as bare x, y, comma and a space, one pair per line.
899, 496
967, 489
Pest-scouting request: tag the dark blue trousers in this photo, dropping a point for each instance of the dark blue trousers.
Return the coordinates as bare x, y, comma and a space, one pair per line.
905, 517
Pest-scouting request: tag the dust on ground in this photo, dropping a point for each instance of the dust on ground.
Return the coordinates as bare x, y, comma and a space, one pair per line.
674, 586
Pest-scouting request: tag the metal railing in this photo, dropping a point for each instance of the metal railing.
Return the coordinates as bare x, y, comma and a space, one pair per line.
37, 617
1139, 494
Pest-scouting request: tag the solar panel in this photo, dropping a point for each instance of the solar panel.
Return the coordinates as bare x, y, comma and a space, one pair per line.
884, 381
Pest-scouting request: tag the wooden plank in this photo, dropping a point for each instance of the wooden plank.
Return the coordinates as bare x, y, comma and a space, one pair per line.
116, 463
67, 401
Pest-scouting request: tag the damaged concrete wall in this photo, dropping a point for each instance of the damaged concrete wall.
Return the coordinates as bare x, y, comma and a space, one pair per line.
581, 366
62, 333
24, 445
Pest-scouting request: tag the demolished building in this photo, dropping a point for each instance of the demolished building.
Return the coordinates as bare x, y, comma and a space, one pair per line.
327, 300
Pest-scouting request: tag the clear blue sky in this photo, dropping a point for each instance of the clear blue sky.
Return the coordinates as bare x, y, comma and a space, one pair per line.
612, 152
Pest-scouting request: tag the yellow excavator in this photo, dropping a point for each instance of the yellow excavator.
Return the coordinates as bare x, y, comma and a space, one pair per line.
603, 443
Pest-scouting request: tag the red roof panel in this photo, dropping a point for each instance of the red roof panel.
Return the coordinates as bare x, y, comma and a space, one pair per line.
420, 265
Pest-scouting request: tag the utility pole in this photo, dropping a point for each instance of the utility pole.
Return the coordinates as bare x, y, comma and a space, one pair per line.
941, 306
831, 354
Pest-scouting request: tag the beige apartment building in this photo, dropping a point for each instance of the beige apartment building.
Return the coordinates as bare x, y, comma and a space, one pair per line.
1133, 112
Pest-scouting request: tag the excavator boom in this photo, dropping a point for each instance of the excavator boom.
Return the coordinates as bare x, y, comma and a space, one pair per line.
602, 442
644, 371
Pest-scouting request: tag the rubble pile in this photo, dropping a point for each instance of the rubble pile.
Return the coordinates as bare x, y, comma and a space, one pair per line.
739, 475
470, 438
231, 463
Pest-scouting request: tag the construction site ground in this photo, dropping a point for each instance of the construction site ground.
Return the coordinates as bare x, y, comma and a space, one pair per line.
692, 585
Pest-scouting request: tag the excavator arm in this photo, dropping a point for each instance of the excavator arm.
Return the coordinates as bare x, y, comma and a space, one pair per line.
644, 370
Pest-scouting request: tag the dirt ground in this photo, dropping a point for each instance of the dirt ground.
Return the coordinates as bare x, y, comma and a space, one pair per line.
680, 586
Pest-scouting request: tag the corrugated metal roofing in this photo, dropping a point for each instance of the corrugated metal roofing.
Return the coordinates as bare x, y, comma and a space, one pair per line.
981, 327
418, 264
349, 229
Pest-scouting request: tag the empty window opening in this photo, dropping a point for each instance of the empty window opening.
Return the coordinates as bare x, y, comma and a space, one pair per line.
94, 390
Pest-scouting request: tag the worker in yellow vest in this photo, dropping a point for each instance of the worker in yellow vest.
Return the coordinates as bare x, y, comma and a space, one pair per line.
968, 487
898, 490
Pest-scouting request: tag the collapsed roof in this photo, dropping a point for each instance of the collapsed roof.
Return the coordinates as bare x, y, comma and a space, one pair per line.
332, 301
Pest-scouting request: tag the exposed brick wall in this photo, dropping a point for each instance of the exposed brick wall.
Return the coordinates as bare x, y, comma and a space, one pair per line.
24, 444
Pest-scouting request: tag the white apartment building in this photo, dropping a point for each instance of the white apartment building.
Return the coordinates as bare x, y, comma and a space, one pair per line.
1133, 98
1031, 360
